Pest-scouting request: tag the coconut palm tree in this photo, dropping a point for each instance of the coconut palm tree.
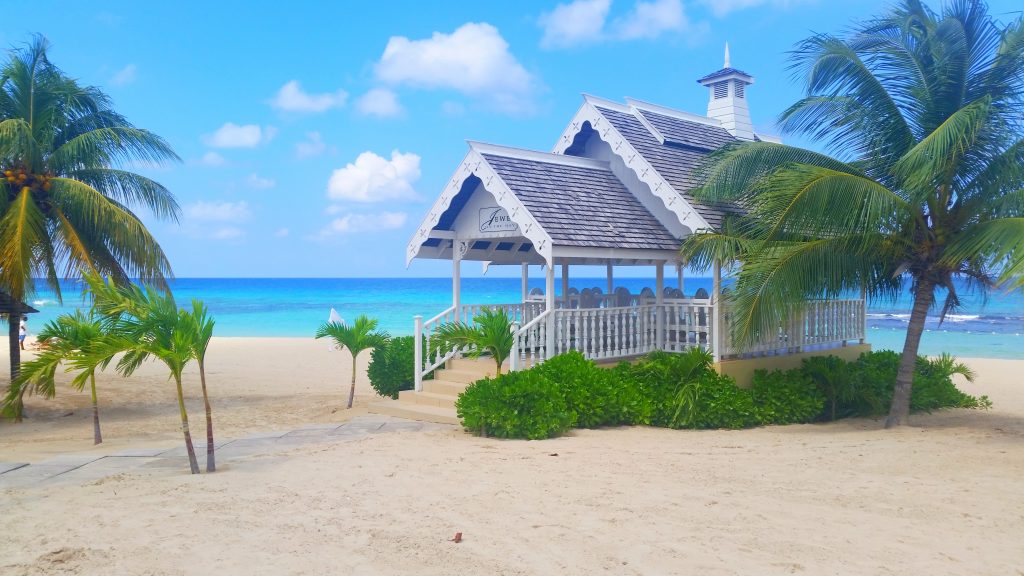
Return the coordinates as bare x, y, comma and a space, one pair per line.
65, 200
361, 335
201, 331
490, 333
922, 111
79, 342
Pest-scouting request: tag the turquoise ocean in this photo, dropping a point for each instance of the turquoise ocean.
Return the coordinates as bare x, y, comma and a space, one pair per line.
294, 307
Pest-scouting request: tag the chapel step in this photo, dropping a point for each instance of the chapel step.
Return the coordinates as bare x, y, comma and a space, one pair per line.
460, 375
427, 398
420, 412
444, 387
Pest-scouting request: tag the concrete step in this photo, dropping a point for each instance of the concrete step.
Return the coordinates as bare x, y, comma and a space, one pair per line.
427, 398
484, 366
444, 387
420, 412
461, 375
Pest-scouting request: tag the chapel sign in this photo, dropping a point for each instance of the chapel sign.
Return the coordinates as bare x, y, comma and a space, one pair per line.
496, 219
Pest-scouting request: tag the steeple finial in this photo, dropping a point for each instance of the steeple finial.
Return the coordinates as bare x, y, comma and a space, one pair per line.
727, 64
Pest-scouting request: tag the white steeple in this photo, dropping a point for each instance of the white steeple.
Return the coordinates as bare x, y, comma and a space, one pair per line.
727, 99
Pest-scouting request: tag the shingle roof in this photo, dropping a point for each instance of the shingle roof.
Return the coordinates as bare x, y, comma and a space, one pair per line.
675, 163
7, 305
581, 205
723, 72
687, 132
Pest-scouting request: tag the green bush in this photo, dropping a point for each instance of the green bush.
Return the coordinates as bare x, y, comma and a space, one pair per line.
391, 368
934, 388
515, 405
589, 391
720, 403
662, 378
789, 397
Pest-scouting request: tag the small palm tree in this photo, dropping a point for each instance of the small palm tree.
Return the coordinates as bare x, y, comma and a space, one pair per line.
80, 343
490, 333
201, 333
361, 335
149, 325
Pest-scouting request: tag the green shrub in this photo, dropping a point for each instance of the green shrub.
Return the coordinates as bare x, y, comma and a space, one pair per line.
789, 397
934, 389
589, 391
391, 368
662, 379
515, 405
720, 403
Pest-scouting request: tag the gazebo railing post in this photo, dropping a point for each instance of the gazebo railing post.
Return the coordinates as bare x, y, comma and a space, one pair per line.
513, 357
418, 353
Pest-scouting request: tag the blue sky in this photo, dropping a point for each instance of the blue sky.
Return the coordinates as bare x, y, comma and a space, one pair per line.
315, 135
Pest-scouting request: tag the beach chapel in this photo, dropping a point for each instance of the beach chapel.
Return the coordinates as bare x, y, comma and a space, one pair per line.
613, 192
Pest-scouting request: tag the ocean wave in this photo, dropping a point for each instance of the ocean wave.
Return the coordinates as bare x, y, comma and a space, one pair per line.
41, 303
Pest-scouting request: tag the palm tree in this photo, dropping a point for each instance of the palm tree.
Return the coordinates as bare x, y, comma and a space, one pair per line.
490, 333
922, 111
76, 341
201, 332
361, 335
65, 202
149, 325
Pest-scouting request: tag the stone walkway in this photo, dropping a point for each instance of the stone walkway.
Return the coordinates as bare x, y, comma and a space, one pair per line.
81, 468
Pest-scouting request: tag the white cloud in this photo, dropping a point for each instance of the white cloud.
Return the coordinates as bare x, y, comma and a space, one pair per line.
232, 135
291, 98
722, 8
282, 232
258, 182
353, 223
574, 23
372, 178
313, 145
124, 76
379, 102
586, 21
218, 211
212, 159
651, 19
474, 59
227, 233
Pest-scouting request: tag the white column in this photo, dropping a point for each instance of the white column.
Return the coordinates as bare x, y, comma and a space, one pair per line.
864, 313
659, 299
456, 276
549, 297
611, 286
418, 353
565, 285
679, 273
526, 278
716, 316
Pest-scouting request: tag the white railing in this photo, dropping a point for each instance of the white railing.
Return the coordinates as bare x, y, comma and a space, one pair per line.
609, 333
606, 333
821, 324
521, 313
530, 343
430, 352
688, 323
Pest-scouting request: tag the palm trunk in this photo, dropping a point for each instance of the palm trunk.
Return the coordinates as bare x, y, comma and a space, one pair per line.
900, 408
13, 331
193, 464
352, 389
97, 437
211, 464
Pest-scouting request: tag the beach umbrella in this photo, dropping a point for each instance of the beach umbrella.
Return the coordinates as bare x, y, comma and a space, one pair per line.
335, 318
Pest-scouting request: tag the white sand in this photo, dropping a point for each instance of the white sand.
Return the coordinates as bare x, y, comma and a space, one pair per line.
943, 497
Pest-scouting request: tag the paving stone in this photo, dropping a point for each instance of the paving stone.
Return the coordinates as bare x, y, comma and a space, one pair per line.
73, 460
396, 426
8, 466
33, 474
139, 452
309, 432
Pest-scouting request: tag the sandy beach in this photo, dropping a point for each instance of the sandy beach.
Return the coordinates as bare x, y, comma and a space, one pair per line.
944, 496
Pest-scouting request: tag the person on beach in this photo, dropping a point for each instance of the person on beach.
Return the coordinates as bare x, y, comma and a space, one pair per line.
23, 331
